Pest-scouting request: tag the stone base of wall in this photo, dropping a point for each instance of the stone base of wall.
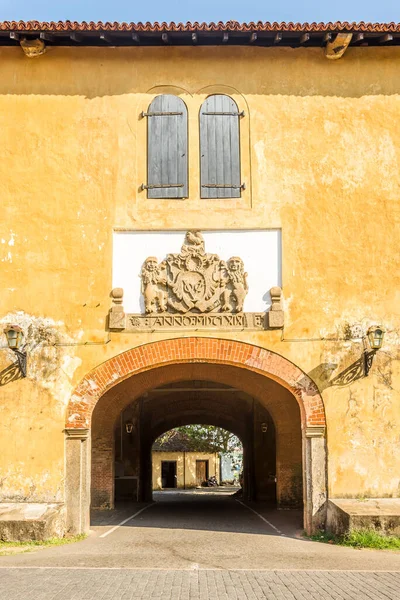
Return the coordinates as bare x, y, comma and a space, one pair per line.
24, 522
382, 514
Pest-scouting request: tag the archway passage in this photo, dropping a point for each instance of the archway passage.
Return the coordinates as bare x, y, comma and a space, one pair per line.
187, 403
290, 398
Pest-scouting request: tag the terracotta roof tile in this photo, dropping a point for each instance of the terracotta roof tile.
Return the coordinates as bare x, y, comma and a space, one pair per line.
259, 26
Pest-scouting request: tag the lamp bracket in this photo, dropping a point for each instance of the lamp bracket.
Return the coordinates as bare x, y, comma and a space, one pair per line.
368, 359
22, 361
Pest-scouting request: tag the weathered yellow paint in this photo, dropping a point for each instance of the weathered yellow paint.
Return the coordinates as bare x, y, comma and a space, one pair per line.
185, 467
320, 155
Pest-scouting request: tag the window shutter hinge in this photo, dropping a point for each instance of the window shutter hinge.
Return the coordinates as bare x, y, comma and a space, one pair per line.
164, 185
242, 186
229, 114
159, 114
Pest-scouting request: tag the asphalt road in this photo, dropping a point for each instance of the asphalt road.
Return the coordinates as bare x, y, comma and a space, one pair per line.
203, 530
202, 545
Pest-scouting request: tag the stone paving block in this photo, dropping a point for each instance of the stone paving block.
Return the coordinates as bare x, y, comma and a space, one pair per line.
130, 584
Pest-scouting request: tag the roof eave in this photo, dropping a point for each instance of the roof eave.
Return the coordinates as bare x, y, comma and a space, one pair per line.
72, 33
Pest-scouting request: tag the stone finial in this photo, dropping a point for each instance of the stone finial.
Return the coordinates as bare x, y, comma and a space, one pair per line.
276, 295
117, 295
275, 315
116, 318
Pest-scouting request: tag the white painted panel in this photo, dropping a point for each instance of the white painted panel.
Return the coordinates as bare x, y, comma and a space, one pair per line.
260, 251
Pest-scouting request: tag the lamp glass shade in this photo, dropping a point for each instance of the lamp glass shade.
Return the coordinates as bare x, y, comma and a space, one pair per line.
129, 426
14, 337
375, 337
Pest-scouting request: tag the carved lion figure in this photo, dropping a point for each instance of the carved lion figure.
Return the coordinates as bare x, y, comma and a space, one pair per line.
154, 286
236, 286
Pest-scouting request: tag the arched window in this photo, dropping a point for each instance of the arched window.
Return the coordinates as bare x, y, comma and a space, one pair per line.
167, 148
220, 148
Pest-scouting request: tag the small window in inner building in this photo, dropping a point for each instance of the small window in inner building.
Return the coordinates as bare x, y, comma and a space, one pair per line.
167, 148
220, 148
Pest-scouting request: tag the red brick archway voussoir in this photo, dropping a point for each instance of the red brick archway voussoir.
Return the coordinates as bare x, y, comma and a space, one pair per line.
193, 349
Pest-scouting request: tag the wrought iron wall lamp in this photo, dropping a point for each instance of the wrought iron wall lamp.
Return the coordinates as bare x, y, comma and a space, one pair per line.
129, 427
15, 336
372, 343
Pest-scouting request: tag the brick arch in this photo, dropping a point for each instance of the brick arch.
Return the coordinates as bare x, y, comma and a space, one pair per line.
194, 350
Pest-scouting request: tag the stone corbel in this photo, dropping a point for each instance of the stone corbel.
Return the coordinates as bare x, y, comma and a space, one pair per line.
337, 47
116, 317
33, 48
275, 314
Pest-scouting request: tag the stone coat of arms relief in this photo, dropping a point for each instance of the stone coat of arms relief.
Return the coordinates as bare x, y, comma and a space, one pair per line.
193, 281
194, 289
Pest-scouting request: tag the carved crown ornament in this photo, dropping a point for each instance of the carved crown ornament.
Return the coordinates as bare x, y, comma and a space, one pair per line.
194, 289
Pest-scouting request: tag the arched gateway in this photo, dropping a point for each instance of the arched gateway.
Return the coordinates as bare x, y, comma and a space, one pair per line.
247, 367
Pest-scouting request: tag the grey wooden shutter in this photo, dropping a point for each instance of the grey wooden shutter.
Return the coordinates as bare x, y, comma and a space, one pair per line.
219, 148
167, 148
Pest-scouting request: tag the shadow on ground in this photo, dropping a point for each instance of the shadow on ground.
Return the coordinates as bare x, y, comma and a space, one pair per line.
203, 510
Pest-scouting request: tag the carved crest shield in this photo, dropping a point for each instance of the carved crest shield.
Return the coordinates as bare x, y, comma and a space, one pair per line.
193, 281
194, 278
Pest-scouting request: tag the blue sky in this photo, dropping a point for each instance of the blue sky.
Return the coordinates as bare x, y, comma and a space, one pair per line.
201, 10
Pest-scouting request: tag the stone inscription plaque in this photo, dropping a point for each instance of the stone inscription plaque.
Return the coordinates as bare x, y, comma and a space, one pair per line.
194, 290
196, 322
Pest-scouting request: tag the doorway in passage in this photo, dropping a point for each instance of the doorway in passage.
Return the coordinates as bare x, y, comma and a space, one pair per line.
201, 471
168, 474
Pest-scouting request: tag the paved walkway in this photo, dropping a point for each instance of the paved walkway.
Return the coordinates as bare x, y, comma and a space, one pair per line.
201, 545
103, 584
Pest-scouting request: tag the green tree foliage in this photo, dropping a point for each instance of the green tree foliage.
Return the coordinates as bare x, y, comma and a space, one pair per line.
204, 438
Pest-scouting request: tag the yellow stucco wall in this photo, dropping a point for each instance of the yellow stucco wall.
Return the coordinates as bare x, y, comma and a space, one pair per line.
320, 154
185, 467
